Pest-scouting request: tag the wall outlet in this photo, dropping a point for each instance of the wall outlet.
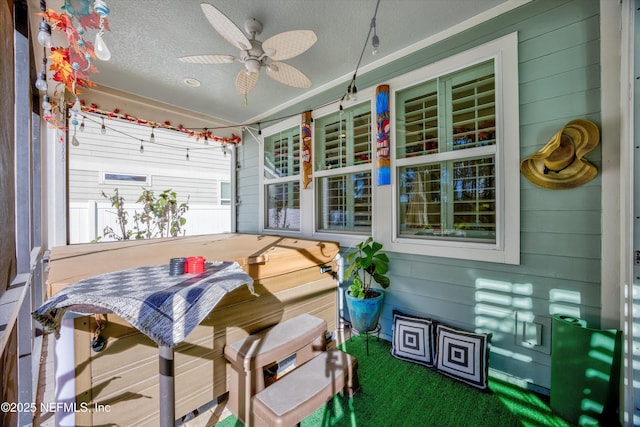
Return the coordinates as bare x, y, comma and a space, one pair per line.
533, 333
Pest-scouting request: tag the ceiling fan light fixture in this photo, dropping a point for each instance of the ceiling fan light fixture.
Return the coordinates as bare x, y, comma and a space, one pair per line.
255, 54
252, 65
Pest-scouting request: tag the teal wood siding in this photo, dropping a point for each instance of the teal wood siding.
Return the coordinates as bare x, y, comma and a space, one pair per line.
247, 184
559, 80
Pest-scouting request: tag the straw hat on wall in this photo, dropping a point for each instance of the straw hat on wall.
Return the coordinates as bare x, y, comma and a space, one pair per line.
560, 164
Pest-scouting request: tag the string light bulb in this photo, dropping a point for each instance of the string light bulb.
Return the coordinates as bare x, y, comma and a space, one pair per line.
152, 137
82, 125
41, 82
103, 128
44, 33
187, 154
141, 146
375, 40
46, 107
352, 92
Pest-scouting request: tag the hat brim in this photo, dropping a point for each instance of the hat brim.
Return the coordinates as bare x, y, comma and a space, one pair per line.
578, 173
586, 137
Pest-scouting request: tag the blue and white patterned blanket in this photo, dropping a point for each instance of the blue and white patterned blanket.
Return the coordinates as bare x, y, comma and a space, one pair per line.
163, 307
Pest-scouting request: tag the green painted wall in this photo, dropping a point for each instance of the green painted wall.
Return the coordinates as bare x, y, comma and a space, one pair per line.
559, 80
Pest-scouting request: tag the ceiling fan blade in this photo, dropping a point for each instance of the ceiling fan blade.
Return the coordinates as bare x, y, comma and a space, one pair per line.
207, 59
245, 82
289, 44
288, 75
225, 27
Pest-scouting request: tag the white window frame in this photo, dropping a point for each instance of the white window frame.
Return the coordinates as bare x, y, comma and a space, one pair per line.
506, 249
267, 132
345, 170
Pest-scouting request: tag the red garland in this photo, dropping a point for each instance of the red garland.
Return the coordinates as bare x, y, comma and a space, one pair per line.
93, 108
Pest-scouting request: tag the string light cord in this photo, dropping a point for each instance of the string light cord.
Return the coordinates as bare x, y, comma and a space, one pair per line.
148, 141
352, 83
247, 126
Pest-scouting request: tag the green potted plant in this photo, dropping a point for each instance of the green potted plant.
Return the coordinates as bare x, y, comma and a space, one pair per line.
368, 264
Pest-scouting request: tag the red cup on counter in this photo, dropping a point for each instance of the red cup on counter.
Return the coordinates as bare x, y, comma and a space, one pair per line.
194, 264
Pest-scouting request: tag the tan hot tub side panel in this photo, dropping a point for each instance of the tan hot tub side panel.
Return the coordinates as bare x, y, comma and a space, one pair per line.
261, 256
125, 374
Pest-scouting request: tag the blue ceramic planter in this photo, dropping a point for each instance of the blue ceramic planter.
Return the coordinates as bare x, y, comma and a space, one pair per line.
364, 313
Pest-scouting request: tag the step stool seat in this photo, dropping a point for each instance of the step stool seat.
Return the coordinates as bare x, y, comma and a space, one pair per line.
302, 391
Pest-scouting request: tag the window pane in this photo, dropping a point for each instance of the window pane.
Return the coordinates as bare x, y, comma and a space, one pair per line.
474, 112
474, 195
283, 206
345, 202
420, 200
361, 139
335, 144
452, 112
452, 200
417, 132
125, 178
343, 139
282, 154
225, 193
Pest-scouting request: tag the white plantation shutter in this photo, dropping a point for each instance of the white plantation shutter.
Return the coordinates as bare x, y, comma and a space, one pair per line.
343, 170
446, 148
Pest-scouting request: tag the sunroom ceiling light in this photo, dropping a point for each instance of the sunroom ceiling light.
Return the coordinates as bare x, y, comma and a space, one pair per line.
190, 81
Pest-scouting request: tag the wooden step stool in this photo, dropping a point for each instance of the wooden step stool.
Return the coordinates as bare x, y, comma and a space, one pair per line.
301, 392
303, 335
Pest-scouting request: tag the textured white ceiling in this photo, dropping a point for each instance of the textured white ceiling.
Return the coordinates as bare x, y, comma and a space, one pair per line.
147, 35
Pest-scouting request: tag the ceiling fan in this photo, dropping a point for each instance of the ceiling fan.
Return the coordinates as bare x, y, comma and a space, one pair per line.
255, 54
